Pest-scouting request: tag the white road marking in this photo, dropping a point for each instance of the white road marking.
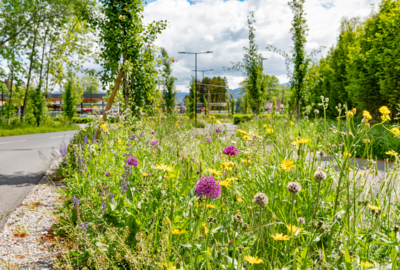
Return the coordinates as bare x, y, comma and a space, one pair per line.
12, 142
60, 136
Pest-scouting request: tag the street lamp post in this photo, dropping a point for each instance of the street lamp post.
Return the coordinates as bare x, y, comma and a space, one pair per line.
202, 86
195, 94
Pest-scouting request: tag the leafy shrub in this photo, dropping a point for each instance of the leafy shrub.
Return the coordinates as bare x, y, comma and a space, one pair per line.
77, 120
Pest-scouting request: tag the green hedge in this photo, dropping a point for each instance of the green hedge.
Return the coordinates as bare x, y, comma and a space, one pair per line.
241, 118
78, 120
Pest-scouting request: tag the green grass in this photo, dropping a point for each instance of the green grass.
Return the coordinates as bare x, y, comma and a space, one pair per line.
35, 130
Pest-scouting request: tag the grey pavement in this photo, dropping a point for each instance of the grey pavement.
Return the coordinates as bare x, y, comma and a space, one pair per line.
23, 161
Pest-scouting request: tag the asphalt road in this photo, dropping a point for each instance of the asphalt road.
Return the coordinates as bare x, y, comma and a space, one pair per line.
23, 161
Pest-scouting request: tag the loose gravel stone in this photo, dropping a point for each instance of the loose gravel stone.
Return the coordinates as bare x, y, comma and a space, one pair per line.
23, 241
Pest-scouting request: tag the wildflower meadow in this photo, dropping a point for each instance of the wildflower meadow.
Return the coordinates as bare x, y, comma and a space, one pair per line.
156, 193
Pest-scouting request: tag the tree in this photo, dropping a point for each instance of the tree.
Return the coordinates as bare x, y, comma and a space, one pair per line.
125, 48
38, 104
169, 92
72, 95
90, 84
299, 33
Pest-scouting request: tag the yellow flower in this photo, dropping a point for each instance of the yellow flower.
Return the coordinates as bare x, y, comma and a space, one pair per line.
177, 124
145, 174
104, 126
287, 164
253, 260
385, 117
218, 122
346, 154
232, 179
228, 163
246, 137
294, 229
252, 121
204, 227
210, 206
373, 207
391, 153
164, 168
239, 200
265, 126
84, 129
243, 160
291, 123
350, 169
168, 220
350, 113
395, 131
367, 115
300, 142
361, 173
178, 232
319, 138
269, 131
280, 237
366, 141
366, 264
384, 110
224, 184
214, 172
354, 110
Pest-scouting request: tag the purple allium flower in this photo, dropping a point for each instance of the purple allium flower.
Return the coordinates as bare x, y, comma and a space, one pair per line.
231, 151
209, 187
112, 196
84, 226
75, 200
208, 139
107, 174
152, 132
218, 130
132, 161
320, 120
198, 171
154, 143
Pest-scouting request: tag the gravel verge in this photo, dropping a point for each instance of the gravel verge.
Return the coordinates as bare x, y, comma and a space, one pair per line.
26, 238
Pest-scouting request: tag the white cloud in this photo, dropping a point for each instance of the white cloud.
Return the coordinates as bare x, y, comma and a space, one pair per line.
221, 26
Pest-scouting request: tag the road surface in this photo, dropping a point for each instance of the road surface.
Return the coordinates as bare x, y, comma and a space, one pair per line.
23, 161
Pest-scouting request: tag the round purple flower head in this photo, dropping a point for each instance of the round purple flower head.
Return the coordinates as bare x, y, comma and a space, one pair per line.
230, 151
132, 161
152, 132
107, 174
154, 143
209, 187
218, 130
208, 139
320, 120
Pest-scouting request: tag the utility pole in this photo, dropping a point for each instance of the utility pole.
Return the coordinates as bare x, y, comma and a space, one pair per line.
195, 94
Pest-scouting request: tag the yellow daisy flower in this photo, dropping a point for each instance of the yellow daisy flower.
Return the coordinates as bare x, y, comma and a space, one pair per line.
280, 237
287, 164
178, 232
373, 207
253, 260
164, 168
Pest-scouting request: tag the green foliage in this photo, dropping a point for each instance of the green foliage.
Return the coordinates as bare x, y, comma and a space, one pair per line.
38, 104
90, 84
169, 91
78, 120
126, 42
35, 130
232, 105
299, 33
72, 95
362, 69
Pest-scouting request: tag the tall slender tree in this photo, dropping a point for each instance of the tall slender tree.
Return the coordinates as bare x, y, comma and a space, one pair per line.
169, 92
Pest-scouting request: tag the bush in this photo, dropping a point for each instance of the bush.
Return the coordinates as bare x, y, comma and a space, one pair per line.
240, 118
77, 120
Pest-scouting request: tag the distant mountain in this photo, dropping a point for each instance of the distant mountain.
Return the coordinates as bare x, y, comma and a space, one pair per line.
235, 92
288, 84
